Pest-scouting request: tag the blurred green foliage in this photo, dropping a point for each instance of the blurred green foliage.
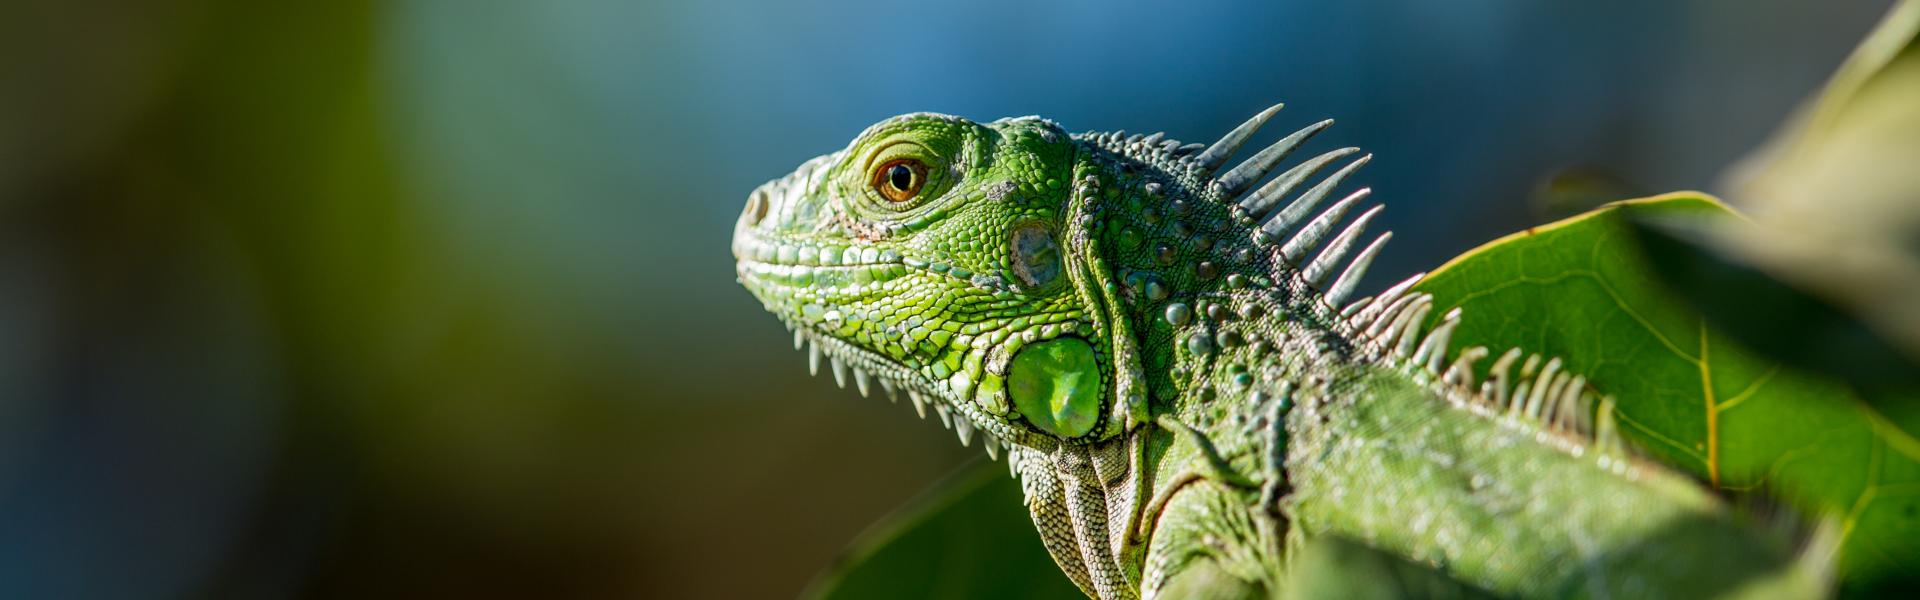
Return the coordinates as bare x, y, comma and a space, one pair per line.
1837, 200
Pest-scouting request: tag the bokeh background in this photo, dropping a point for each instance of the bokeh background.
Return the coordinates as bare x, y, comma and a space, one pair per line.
361, 299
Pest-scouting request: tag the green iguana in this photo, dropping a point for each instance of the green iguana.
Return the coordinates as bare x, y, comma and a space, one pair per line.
1172, 359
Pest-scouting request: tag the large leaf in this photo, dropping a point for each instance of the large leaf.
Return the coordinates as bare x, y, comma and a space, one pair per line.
968, 537
1578, 289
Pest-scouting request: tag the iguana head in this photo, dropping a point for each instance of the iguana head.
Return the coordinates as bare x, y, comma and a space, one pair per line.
929, 256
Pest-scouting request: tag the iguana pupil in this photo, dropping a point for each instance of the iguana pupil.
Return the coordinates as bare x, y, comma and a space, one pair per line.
900, 180
1056, 385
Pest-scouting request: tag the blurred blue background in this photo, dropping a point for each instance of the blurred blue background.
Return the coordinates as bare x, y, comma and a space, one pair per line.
358, 299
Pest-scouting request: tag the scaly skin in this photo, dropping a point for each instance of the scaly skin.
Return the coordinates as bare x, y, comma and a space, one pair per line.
1185, 392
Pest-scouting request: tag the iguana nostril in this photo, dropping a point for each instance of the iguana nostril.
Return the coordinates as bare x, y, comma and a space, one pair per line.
756, 207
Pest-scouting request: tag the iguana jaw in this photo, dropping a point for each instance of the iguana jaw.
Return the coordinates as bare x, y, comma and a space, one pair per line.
816, 321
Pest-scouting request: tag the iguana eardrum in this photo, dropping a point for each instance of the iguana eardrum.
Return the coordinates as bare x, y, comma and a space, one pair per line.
1171, 357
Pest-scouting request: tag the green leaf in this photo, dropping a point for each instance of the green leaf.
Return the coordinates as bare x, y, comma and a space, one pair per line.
967, 537
1578, 289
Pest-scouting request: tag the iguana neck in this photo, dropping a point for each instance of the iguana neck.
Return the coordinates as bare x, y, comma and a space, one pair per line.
1213, 305
1222, 332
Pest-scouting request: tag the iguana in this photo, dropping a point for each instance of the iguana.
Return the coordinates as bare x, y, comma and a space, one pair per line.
1172, 358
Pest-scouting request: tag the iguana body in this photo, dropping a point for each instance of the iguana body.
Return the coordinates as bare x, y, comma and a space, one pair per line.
1167, 352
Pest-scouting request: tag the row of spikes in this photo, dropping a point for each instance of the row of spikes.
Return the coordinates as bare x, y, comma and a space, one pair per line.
961, 425
1542, 392
1541, 397
1295, 226
1144, 143
1393, 322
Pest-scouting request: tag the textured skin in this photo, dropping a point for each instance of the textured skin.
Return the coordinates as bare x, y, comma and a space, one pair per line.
1245, 406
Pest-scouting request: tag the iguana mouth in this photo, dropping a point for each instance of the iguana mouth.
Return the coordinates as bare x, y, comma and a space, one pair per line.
780, 282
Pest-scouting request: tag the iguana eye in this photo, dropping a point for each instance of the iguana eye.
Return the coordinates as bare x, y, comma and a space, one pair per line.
900, 180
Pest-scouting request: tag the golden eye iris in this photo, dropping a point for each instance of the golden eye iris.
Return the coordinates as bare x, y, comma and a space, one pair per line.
900, 180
